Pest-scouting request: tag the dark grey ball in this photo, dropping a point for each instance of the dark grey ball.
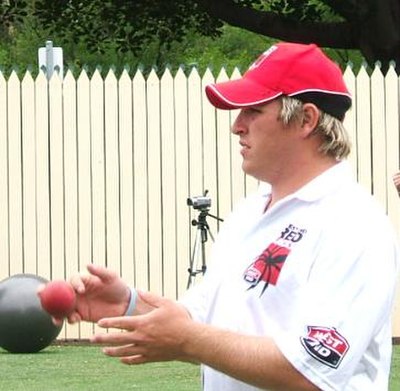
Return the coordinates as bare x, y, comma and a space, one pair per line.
24, 326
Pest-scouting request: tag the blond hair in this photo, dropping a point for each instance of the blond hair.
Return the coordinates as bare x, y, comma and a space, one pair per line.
335, 139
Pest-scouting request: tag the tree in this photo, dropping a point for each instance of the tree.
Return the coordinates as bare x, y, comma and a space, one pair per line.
372, 26
11, 12
130, 24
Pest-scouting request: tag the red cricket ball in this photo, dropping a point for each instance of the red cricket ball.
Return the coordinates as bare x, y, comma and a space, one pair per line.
58, 298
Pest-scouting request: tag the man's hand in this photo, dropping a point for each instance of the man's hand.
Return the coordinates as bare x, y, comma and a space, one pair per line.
99, 293
160, 335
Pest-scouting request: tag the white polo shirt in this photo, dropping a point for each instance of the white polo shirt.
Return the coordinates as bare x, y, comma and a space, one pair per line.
317, 273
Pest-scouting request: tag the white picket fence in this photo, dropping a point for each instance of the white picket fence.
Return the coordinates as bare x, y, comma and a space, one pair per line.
99, 169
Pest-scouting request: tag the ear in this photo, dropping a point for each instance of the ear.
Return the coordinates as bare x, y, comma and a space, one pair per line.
311, 116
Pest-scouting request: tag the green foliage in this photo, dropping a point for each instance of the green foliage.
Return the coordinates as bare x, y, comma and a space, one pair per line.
11, 12
234, 48
156, 33
116, 33
129, 25
301, 10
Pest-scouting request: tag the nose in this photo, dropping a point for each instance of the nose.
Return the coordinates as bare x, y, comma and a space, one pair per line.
238, 127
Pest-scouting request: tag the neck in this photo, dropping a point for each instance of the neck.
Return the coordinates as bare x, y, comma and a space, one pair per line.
286, 183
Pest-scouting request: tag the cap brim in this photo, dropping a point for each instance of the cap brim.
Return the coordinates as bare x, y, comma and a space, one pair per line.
235, 94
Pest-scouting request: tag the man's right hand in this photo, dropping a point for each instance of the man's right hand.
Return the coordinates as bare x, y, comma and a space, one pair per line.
99, 293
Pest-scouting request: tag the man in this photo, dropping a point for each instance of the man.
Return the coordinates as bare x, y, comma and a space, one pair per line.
299, 290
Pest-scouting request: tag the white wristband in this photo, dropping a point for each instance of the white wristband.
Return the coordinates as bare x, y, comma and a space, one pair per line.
132, 302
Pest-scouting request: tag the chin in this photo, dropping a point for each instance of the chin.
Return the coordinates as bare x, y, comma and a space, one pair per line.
247, 169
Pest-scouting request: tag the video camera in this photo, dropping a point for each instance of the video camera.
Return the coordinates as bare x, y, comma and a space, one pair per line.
200, 202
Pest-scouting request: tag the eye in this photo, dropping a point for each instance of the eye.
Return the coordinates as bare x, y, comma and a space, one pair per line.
252, 110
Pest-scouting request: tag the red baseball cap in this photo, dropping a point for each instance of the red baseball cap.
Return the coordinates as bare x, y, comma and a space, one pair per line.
297, 70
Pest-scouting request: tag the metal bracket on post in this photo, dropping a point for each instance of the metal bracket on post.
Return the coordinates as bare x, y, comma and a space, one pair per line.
51, 59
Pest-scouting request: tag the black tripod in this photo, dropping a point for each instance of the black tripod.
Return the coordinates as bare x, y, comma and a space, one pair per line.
203, 230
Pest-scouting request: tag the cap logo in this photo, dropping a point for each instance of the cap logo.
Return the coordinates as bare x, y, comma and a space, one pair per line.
263, 57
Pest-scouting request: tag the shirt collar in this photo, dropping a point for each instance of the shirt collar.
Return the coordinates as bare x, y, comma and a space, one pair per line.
331, 179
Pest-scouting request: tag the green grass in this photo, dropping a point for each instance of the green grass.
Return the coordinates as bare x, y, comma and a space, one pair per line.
85, 368
395, 372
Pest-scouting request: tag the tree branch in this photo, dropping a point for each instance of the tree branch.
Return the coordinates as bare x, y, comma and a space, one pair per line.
350, 10
325, 34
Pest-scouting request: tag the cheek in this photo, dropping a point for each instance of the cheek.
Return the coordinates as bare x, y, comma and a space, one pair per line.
266, 139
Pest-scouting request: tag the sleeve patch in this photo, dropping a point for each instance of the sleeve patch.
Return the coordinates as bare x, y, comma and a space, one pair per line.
325, 344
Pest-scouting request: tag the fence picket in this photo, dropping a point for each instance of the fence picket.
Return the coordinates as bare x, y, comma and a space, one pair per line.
238, 178
97, 169
56, 178
125, 112
392, 104
168, 180
15, 174
4, 212
140, 182
363, 108
378, 124
350, 121
84, 180
70, 185
154, 183
113, 234
210, 160
224, 155
57, 211
29, 173
42, 176
183, 228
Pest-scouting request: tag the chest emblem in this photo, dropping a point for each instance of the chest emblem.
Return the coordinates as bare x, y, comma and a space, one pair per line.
267, 266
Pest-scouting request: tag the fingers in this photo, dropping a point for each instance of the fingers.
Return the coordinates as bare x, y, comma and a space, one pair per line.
138, 342
56, 321
132, 354
81, 280
101, 272
134, 360
78, 282
129, 336
128, 354
114, 339
74, 318
119, 322
124, 350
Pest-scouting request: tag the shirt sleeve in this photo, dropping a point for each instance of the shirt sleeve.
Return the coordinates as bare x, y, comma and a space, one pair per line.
343, 323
